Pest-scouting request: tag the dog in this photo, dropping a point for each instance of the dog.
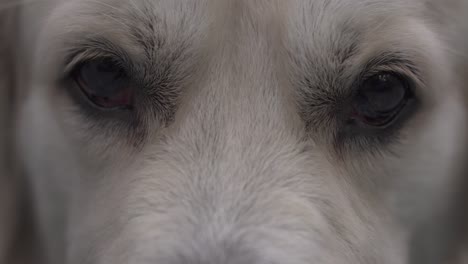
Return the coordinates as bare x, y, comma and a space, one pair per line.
232, 131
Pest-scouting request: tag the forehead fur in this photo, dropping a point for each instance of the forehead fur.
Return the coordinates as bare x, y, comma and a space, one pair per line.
312, 34
154, 23
311, 48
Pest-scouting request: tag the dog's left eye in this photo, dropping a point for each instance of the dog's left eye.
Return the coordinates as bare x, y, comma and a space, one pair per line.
380, 100
105, 84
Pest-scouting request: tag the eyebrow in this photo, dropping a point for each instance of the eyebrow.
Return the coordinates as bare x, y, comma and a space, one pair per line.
347, 53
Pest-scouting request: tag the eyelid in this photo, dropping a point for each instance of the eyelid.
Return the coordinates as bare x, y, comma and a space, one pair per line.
395, 64
87, 50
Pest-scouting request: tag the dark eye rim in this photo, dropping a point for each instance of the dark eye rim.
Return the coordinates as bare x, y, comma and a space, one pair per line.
81, 105
399, 114
359, 136
78, 92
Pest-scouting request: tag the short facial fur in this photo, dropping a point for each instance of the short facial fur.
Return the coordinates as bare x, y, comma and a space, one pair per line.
236, 152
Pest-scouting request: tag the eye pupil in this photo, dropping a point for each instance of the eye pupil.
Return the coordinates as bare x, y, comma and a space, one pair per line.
105, 84
380, 99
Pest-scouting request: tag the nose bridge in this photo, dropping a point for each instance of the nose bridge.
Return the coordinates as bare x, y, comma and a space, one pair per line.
237, 133
239, 116
244, 88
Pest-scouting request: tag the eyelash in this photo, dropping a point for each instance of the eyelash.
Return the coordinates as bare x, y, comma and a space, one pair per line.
389, 62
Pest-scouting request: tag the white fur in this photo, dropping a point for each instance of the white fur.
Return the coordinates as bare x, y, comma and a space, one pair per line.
236, 176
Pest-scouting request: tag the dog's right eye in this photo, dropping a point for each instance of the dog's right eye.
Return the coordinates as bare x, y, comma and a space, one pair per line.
105, 84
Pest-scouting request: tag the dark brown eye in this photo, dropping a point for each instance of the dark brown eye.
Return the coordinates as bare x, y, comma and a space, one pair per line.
380, 100
105, 84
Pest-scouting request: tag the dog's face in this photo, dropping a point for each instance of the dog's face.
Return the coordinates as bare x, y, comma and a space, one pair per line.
251, 132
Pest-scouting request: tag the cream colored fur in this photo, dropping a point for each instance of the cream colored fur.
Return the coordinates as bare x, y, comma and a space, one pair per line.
238, 168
